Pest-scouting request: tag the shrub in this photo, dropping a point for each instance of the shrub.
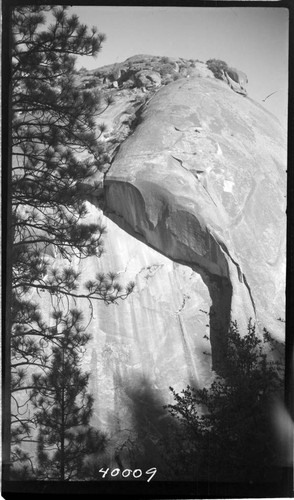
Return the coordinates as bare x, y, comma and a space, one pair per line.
216, 66
233, 414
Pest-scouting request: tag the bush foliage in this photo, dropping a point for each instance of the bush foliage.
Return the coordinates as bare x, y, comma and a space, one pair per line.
216, 66
225, 432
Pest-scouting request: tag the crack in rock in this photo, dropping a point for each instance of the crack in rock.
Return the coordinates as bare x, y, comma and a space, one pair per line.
241, 275
190, 360
152, 270
182, 306
195, 175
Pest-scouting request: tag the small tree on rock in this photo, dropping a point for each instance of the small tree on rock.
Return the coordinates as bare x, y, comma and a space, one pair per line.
217, 67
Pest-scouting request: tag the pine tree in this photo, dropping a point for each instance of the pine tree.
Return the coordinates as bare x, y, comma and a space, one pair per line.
55, 148
63, 407
224, 432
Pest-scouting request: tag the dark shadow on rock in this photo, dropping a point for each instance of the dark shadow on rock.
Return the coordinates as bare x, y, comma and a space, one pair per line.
152, 425
180, 454
221, 291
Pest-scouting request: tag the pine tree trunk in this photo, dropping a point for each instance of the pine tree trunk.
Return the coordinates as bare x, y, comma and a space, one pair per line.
7, 197
62, 432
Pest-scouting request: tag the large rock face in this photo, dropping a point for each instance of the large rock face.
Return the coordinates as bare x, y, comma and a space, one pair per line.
158, 337
202, 180
197, 195
194, 203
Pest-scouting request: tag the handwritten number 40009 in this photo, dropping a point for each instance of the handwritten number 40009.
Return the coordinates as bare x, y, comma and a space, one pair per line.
129, 473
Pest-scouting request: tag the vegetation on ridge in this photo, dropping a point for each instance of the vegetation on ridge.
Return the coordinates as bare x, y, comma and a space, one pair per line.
217, 66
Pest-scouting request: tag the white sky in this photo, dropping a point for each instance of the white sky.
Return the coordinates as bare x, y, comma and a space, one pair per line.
254, 40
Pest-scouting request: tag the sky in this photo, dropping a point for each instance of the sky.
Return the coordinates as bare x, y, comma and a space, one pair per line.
254, 40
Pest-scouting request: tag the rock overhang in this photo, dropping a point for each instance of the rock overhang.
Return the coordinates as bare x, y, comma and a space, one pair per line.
204, 160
